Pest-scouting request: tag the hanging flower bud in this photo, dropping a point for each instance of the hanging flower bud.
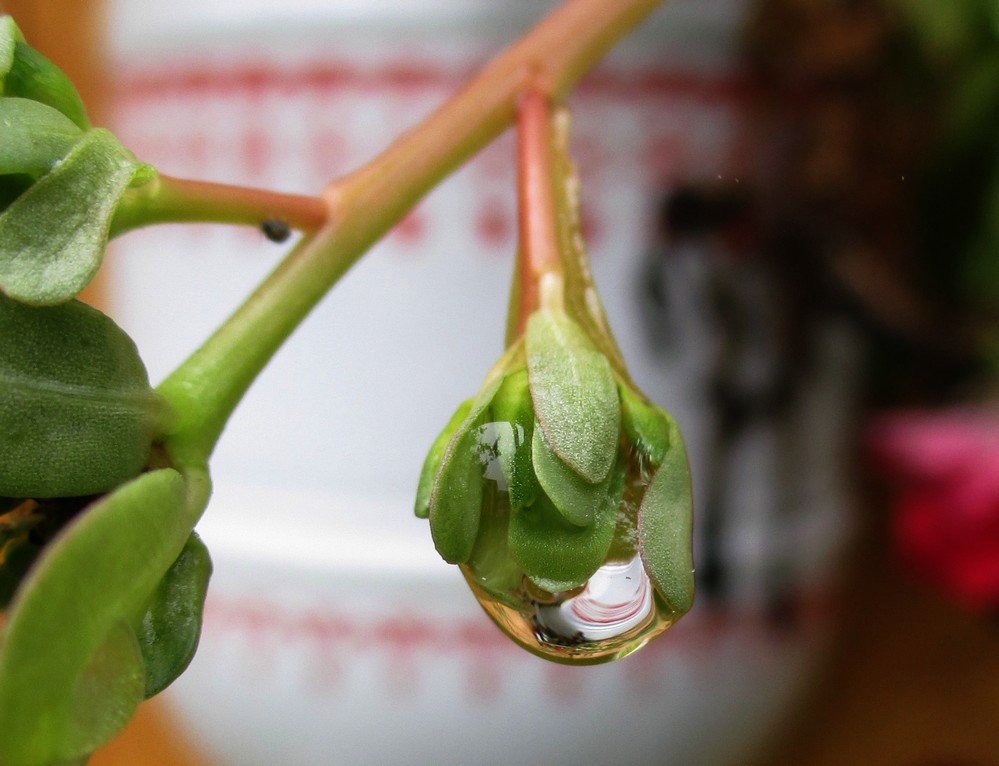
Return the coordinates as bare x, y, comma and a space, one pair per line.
565, 497
560, 491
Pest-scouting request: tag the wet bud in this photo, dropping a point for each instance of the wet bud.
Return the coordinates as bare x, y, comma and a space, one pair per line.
564, 496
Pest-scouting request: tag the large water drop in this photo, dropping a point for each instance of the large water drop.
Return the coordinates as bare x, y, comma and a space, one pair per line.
616, 612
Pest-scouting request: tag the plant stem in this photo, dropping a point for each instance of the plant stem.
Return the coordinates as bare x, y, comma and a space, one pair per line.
549, 59
175, 200
538, 249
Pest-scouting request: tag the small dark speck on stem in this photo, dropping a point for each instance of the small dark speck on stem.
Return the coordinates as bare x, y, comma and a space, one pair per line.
275, 230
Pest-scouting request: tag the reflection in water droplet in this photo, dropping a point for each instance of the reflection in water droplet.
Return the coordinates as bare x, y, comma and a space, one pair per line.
616, 599
615, 613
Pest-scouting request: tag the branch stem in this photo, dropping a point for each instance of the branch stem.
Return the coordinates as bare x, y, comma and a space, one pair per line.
367, 203
538, 248
176, 200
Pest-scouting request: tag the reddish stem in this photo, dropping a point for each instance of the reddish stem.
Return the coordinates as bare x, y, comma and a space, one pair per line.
538, 246
179, 200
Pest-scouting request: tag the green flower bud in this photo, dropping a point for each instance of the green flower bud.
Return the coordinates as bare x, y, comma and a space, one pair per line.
564, 495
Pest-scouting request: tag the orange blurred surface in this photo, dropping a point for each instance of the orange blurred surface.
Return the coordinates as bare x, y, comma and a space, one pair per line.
912, 681
151, 739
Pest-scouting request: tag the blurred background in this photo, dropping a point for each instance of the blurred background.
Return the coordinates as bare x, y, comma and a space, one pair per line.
792, 208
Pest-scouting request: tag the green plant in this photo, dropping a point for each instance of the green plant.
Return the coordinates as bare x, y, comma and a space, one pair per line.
104, 478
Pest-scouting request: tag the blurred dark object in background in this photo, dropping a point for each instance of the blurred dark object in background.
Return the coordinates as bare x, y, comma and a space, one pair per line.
958, 206
848, 108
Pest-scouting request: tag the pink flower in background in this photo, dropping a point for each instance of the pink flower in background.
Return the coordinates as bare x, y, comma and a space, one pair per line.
946, 510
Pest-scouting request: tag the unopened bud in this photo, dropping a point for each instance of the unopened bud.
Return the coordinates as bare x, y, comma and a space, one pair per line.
565, 498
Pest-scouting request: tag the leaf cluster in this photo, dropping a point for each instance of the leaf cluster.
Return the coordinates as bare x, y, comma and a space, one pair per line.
102, 581
60, 179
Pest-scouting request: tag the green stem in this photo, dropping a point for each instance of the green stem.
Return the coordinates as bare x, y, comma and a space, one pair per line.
175, 200
550, 58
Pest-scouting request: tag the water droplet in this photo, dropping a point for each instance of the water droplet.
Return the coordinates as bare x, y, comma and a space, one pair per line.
616, 612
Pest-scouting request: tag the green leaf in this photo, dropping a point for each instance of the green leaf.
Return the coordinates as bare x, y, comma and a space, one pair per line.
665, 527
107, 692
574, 393
52, 237
576, 499
557, 555
71, 671
33, 76
491, 566
10, 35
434, 457
35, 137
456, 499
171, 626
513, 412
646, 426
76, 411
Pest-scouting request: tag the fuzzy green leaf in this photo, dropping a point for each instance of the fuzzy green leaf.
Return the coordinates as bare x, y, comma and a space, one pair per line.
557, 555
31, 75
71, 671
456, 499
76, 411
433, 460
575, 396
576, 499
34, 137
10, 35
646, 426
171, 626
52, 237
665, 527
513, 411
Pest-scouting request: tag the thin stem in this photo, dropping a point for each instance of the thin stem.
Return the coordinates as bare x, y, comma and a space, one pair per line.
176, 200
550, 58
538, 252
